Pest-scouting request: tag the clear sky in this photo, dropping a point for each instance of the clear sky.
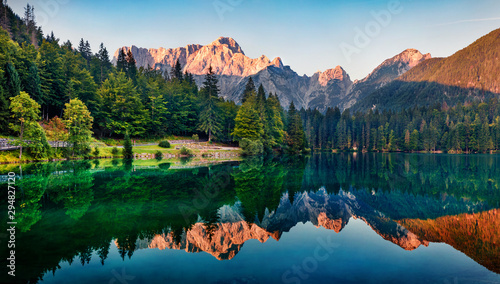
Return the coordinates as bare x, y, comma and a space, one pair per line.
309, 36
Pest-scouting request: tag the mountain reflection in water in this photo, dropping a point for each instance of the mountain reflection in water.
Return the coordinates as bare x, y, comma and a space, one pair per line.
76, 210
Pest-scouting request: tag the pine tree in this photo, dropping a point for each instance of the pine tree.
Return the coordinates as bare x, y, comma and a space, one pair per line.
294, 131
131, 67
121, 62
210, 116
210, 121
33, 86
12, 82
249, 90
210, 85
105, 64
127, 147
247, 123
177, 71
4, 110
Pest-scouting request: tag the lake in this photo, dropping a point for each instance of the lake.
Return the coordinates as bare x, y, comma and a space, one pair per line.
326, 218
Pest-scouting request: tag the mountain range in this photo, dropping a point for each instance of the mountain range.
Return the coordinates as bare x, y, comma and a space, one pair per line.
330, 88
408, 78
469, 74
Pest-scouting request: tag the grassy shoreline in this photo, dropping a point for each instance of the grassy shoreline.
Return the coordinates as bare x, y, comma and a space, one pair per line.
140, 152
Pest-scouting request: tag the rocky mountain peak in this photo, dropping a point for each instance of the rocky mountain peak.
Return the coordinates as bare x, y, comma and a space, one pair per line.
277, 62
229, 43
337, 73
410, 57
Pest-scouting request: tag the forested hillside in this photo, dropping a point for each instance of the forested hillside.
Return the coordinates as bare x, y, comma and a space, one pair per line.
468, 75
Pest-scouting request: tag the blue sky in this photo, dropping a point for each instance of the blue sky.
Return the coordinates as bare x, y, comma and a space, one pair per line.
309, 36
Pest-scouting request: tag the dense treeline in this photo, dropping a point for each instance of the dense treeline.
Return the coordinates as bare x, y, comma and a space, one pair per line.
122, 99
464, 128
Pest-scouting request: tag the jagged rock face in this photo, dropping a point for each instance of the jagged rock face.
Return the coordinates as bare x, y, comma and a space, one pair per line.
233, 67
385, 73
224, 55
330, 88
332, 212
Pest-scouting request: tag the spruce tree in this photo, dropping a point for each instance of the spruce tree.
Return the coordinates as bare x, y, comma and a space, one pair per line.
210, 117
211, 84
127, 147
121, 62
248, 124
33, 86
4, 110
105, 64
177, 71
12, 82
131, 67
249, 90
295, 132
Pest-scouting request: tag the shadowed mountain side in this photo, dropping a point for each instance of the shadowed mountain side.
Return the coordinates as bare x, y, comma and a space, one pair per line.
399, 94
471, 73
477, 235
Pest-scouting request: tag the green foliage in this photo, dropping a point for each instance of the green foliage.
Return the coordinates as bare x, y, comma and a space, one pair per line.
96, 152
186, 151
78, 120
127, 147
25, 112
121, 109
114, 151
251, 147
158, 155
295, 136
195, 137
247, 123
470, 128
164, 144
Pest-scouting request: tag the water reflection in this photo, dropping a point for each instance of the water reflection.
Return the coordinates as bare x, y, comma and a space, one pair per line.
70, 210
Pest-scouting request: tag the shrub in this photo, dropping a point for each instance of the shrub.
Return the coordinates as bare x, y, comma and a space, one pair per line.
186, 152
251, 147
164, 144
196, 137
158, 155
114, 151
96, 152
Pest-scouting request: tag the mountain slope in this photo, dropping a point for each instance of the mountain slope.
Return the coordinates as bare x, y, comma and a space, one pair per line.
385, 73
469, 74
233, 67
330, 88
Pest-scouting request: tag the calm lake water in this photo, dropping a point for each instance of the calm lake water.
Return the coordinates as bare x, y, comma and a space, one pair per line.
327, 218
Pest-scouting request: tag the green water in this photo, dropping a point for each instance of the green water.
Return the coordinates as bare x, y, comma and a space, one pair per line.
319, 219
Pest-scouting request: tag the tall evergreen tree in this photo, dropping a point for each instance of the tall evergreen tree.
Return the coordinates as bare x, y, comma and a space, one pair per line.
294, 131
210, 116
249, 90
210, 85
131, 67
121, 61
105, 64
247, 123
34, 85
12, 82
177, 71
